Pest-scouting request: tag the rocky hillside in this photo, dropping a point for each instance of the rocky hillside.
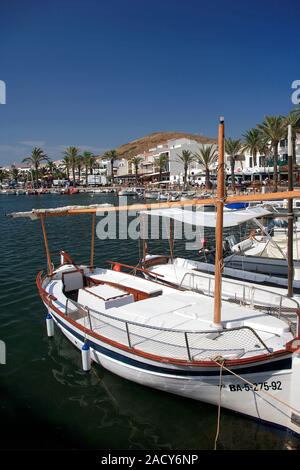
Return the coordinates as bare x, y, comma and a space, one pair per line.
143, 144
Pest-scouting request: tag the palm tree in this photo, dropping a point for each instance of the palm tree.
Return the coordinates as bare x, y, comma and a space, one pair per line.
111, 155
293, 119
88, 159
79, 164
161, 163
234, 149
93, 163
66, 165
264, 149
52, 168
273, 128
206, 156
186, 158
296, 111
3, 175
37, 156
135, 161
14, 172
252, 143
72, 153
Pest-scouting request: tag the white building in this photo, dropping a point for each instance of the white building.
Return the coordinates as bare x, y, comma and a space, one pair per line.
264, 164
174, 170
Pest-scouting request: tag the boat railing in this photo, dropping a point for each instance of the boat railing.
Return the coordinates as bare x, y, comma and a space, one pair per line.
188, 345
244, 294
156, 341
78, 312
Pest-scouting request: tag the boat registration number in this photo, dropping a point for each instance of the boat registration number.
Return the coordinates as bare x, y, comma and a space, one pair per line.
256, 387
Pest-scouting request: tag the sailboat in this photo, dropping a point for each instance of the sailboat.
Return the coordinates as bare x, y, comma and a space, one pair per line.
190, 344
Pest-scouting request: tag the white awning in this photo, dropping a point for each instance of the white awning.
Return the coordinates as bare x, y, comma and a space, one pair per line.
208, 219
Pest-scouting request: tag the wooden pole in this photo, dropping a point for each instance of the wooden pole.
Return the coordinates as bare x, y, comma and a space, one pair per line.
290, 215
172, 239
219, 226
144, 227
50, 270
93, 243
257, 197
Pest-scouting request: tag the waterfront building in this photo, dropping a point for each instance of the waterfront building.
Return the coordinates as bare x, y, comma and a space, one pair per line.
148, 169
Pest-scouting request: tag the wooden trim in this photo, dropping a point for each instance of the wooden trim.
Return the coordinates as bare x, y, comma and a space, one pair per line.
138, 294
70, 260
134, 268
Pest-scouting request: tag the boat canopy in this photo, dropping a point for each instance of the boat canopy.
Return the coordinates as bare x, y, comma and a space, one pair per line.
35, 214
208, 219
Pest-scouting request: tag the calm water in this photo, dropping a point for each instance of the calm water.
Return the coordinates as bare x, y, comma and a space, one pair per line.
46, 399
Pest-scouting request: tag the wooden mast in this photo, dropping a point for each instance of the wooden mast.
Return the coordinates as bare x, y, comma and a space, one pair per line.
171, 241
219, 226
50, 270
92, 242
144, 235
290, 215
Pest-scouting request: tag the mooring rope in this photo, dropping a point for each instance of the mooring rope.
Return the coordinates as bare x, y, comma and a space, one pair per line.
221, 363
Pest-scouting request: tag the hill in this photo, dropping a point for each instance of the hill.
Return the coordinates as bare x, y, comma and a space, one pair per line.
143, 144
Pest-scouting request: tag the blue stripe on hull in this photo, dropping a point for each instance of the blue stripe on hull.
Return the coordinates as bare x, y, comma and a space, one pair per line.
273, 366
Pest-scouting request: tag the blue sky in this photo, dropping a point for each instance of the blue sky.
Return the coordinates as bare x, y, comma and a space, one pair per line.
97, 74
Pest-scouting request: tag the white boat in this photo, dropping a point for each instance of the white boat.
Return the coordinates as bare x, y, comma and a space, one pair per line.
246, 360
174, 197
151, 195
187, 195
163, 197
97, 191
164, 338
180, 271
127, 192
266, 254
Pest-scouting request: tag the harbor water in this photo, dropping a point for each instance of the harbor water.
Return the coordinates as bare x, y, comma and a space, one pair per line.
47, 401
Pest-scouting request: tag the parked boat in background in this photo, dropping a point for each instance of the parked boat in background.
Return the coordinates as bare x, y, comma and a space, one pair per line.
127, 192
178, 270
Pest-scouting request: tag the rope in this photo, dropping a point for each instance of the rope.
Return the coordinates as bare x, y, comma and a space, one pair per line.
221, 265
221, 363
257, 391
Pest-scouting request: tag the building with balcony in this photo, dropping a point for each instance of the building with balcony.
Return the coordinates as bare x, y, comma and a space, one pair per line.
264, 167
149, 170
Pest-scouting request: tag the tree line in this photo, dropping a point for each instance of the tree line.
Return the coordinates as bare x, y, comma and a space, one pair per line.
261, 140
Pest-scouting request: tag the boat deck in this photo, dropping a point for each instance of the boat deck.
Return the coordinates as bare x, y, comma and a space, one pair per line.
176, 324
